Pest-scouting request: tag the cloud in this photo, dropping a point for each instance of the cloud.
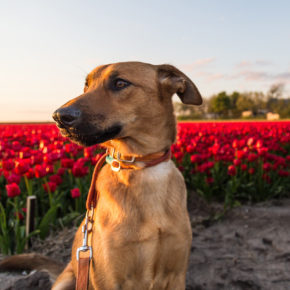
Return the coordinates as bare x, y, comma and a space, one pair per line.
284, 75
244, 64
199, 69
209, 76
199, 63
256, 71
262, 62
253, 75
257, 63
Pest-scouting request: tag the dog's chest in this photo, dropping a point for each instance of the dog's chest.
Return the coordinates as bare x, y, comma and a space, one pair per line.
133, 200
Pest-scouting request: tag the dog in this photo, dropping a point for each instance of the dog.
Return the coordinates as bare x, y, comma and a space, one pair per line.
141, 235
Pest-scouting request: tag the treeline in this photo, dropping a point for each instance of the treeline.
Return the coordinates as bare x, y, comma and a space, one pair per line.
234, 106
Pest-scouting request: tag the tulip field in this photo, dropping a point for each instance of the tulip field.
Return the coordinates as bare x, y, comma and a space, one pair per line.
230, 162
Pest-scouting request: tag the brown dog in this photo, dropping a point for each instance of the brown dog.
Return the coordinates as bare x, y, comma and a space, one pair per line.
142, 234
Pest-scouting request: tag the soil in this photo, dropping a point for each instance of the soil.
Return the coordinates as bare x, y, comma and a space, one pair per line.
247, 248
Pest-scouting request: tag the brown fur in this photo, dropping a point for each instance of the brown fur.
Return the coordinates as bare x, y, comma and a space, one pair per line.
141, 235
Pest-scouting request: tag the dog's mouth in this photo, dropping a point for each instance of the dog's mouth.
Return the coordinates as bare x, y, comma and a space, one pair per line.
88, 139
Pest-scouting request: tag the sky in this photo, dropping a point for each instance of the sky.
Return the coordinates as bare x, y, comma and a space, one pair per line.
48, 47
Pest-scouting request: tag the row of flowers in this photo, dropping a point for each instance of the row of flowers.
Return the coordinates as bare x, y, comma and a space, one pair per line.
235, 161
229, 162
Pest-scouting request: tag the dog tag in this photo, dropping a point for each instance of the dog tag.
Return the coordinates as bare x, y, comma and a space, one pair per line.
115, 166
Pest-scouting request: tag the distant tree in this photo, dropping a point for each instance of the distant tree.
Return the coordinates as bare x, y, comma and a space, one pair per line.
234, 98
275, 103
220, 104
280, 106
276, 91
244, 103
225, 105
259, 99
284, 108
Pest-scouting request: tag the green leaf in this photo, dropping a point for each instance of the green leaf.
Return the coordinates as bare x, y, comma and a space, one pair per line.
47, 220
69, 218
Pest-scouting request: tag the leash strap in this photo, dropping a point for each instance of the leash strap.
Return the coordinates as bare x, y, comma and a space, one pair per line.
82, 281
85, 253
92, 195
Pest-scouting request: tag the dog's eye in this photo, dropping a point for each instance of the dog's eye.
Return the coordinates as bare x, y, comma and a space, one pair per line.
121, 84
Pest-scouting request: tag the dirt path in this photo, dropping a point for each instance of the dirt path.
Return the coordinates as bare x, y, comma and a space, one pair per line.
247, 249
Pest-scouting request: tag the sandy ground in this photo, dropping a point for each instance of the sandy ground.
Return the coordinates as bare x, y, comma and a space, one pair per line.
248, 248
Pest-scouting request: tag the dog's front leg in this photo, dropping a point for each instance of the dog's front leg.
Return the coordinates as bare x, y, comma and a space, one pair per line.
66, 280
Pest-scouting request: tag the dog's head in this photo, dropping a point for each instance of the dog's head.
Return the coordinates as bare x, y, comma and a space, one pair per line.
123, 101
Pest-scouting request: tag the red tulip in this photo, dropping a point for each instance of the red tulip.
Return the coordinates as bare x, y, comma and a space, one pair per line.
235, 143
252, 157
16, 146
259, 144
49, 169
13, 178
209, 180
240, 154
30, 173
49, 186
12, 190
283, 173
25, 153
8, 164
195, 158
61, 171
22, 166
20, 215
79, 170
250, 141
181, 168
56, 179
244, 167
67, 163
75, 193
36, 158
232, 170
40, 171
267, 166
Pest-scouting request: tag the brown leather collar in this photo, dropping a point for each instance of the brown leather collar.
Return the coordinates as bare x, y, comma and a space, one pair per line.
118, 162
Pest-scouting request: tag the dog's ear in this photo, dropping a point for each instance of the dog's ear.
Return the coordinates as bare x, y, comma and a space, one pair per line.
172, 81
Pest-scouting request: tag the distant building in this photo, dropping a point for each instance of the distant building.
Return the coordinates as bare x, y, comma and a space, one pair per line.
247, 114
210, 116
271, 116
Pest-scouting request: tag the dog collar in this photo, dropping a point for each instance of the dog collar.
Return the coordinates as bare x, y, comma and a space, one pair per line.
119, 161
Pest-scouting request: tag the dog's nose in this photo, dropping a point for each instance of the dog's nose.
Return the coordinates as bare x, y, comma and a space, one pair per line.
67, 116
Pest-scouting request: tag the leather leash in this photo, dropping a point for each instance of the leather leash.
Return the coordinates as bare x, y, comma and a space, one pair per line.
117, 162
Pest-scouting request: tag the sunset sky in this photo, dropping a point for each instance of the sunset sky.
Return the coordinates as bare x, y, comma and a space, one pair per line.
48, 47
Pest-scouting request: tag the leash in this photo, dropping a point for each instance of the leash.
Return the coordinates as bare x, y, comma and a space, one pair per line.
85, 250
117, 161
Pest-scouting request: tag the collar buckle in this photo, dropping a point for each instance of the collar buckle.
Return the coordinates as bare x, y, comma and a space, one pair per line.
116, 162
